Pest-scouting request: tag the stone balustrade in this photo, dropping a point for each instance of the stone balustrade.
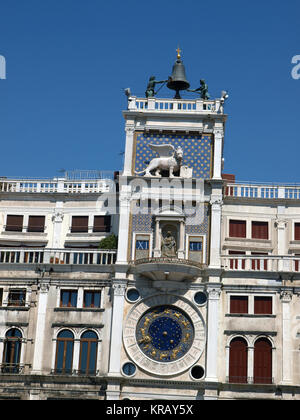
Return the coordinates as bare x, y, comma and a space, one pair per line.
57, 256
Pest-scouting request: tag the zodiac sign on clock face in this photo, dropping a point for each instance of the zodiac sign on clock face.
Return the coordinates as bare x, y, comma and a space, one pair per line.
165, 333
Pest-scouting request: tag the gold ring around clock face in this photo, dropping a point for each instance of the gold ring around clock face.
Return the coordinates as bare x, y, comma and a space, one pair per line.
165, 333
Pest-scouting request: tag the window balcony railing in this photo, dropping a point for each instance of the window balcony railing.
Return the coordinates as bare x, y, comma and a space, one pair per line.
57, 256
271, 263
12, 368
74, 372
258, 380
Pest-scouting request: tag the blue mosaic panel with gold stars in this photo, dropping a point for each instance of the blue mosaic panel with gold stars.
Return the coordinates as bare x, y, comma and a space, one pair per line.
165, 333
197, 151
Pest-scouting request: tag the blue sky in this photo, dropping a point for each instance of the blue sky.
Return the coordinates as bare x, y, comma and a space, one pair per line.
68, 61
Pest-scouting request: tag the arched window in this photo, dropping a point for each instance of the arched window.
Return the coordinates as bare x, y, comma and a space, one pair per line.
238, 361
12, 351
64, 352
262, 361
88, 353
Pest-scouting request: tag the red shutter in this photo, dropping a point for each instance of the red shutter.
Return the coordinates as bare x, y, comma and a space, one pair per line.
237, 229
36, 224
263, 305
238, 304
102, 224
260, 230
238, 362
297, 232
80, 224
14, 223
297, 263
262, 361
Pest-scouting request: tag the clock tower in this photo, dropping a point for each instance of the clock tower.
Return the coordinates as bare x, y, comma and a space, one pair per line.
166, 285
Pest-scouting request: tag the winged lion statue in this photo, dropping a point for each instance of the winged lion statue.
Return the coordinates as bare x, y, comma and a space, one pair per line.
169, 159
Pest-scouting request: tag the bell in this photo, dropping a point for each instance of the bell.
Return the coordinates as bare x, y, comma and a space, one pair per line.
178, 80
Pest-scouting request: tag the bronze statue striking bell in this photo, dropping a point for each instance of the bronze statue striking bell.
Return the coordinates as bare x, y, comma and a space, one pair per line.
178, 80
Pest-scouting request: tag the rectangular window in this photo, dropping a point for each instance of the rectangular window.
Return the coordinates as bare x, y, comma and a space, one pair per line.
260, 230
16, 297
14, 223
297, 232
80, 224
142, 244
237, 228
102, 224
195, 246
36, 224
68, 299
263, 305
91, 299
238, 304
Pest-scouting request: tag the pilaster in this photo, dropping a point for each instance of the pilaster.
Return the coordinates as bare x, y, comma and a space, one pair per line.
118, 296
286, 296
215, 234
213, 292
37, 364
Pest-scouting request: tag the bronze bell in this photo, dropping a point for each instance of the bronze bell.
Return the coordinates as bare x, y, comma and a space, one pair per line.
178, 80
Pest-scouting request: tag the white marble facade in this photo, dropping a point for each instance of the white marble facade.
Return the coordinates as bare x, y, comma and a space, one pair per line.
157, 314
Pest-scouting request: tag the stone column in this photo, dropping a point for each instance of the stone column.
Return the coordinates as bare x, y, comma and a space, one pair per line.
250, 372
213, 292
157, 252
37, 364
128, 150
181, 241
286, 298
57, 220
218, 146
281, 244
215, 235
122, 255
118, 289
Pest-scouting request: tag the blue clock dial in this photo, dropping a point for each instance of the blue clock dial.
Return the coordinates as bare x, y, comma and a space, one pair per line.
165, 333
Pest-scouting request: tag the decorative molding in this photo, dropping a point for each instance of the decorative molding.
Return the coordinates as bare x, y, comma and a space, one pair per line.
280, 223
286, 296
57, 217
213, 293
44, 286
119, 289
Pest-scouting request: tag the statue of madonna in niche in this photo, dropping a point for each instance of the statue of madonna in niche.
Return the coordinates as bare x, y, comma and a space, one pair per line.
168, 246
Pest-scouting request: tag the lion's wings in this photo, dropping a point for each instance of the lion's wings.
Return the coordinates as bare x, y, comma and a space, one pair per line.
164, 150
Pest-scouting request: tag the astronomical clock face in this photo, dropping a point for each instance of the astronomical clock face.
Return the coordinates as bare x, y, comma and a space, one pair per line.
164, 334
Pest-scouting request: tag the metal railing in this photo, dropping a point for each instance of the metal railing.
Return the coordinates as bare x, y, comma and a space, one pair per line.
258, 380
74, 372
57, 256
12, 368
